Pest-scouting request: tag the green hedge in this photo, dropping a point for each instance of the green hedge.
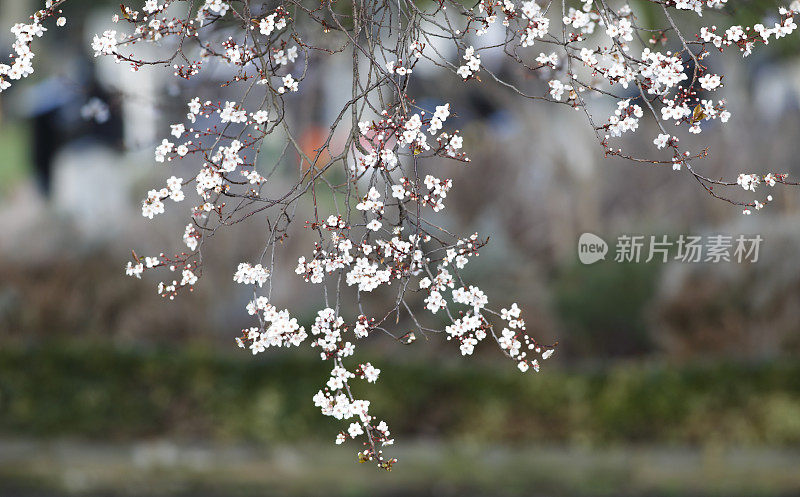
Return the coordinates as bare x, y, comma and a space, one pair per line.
102, 392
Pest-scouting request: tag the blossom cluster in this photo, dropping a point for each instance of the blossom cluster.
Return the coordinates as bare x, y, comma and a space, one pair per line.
24, 34
380, 260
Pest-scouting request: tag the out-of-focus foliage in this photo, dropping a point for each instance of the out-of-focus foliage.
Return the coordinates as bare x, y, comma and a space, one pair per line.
15, 148
106, 393
82, 295
604, 307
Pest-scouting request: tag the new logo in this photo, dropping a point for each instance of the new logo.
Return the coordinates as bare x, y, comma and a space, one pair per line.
591, 248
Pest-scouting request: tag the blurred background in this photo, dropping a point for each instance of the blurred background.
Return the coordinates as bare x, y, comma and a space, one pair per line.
670, 379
